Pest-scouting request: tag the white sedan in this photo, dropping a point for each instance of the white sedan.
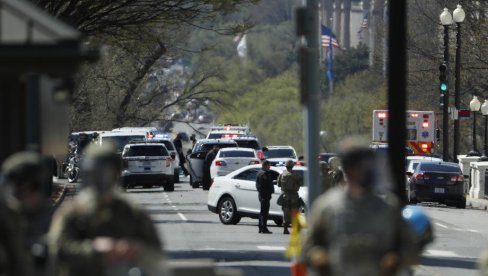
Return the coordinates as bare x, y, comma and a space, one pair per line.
231, 159
235, 196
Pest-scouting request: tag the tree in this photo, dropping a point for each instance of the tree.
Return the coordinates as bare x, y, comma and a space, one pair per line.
138, 36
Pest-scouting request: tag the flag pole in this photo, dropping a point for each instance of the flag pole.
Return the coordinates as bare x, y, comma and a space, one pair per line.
330, 60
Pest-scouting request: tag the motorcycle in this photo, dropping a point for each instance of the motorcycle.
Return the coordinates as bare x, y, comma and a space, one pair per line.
72, 172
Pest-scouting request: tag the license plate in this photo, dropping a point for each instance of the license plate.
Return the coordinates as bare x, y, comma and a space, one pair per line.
440, 177
146, 163
439, 190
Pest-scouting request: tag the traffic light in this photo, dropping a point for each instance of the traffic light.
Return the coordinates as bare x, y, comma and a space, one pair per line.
443, 78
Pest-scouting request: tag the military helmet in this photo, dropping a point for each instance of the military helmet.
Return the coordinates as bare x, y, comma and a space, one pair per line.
289, 163
23, 168
105, 154
334, 163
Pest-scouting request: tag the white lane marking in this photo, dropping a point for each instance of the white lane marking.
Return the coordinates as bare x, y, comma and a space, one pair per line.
441, 253
473, 231
271, 248
441, 225
174, 206
183, 218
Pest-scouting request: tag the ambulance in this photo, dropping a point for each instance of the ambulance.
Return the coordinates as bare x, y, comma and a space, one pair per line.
421, 130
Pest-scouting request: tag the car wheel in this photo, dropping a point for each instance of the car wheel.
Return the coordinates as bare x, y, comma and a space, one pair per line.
278, 221
194, 185
169, 187
461, 204
228, 211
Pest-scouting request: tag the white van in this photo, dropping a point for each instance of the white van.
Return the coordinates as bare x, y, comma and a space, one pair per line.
121, 138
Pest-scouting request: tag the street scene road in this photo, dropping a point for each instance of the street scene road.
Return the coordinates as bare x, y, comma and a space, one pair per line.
190, 231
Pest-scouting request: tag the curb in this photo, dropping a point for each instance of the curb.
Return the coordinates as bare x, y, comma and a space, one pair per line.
61, 197
477, 203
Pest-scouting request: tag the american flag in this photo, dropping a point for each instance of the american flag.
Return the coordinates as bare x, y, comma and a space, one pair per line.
328, 37
365, 23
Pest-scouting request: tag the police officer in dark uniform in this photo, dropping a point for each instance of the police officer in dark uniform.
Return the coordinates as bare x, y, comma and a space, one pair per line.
181, 156
206, 167
265, 187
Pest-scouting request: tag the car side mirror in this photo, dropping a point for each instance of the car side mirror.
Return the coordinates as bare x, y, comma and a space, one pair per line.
265, 149
300, 158
173, 156
466, 176
409, 174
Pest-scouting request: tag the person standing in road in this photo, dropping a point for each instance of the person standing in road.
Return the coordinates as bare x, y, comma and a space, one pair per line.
179, 149
101, 232
28, 176
265, 188
355, 232
290, 183
206, 167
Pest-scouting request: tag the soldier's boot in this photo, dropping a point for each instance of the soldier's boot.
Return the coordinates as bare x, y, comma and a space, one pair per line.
285, 229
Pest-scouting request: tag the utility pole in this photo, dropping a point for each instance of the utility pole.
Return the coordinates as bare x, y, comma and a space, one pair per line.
397, 83
308, 33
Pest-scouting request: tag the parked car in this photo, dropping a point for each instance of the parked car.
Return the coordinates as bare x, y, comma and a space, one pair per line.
225, 134
231, 159
250, 142
235, 196
412, 161
278, 155
195, 160
325, 156
148, 165
165, 139
121, 138
441, 182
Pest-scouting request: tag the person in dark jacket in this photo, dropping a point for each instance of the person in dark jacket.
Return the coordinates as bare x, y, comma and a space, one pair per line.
206, 167
265, 187
181, 156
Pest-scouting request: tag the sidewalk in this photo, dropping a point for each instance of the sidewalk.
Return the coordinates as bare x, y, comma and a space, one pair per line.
477, 203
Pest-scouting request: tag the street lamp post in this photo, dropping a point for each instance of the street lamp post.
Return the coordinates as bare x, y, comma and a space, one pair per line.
446, 20
484, 111
475, 106
458, 17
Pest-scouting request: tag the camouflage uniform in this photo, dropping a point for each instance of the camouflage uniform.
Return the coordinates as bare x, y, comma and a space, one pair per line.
290, 183
100, 217
76, 226
356, 236
14, 258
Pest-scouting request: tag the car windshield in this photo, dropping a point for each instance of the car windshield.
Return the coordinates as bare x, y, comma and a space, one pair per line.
250, 144
145, 151
208, 147
120, 141
439, 168
237, 153
279, 153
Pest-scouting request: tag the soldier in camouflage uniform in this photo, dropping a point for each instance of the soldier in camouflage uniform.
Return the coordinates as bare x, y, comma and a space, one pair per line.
290, 183
14, 258
101, 232
353, 231
28, 177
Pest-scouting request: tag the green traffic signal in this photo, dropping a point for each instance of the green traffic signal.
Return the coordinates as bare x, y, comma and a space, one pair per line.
443, 86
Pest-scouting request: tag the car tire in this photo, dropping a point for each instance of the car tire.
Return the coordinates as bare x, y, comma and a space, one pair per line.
227, 211
194, 185
278, 221
169, 187
461, 204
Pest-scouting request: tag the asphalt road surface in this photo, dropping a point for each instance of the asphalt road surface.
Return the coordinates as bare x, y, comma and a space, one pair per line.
189, 230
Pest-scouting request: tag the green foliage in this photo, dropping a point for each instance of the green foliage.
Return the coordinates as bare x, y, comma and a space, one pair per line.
272, 110
348, 112
347, 63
